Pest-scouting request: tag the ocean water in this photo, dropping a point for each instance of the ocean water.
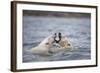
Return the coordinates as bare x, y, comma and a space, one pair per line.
76, 29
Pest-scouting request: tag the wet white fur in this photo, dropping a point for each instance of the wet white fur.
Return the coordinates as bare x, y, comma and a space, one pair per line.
44, 46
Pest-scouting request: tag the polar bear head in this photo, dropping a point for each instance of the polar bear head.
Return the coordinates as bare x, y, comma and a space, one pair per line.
63, 41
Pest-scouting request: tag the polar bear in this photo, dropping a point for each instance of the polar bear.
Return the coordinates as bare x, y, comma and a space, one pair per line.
43, 47
63, 44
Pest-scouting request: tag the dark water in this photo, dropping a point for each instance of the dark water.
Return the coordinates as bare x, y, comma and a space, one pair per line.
77, 29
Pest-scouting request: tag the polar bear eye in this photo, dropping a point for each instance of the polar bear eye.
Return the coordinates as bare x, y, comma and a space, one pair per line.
68, 44
47, 43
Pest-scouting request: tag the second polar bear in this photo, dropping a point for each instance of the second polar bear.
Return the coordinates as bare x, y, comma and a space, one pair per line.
43, 47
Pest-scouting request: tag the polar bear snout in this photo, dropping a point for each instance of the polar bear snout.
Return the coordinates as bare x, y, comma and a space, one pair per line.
57, 37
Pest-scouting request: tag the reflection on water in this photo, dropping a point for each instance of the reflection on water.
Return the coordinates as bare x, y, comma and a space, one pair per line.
36, 28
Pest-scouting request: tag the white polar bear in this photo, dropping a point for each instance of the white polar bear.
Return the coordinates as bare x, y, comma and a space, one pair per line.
43, 47
63, 45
